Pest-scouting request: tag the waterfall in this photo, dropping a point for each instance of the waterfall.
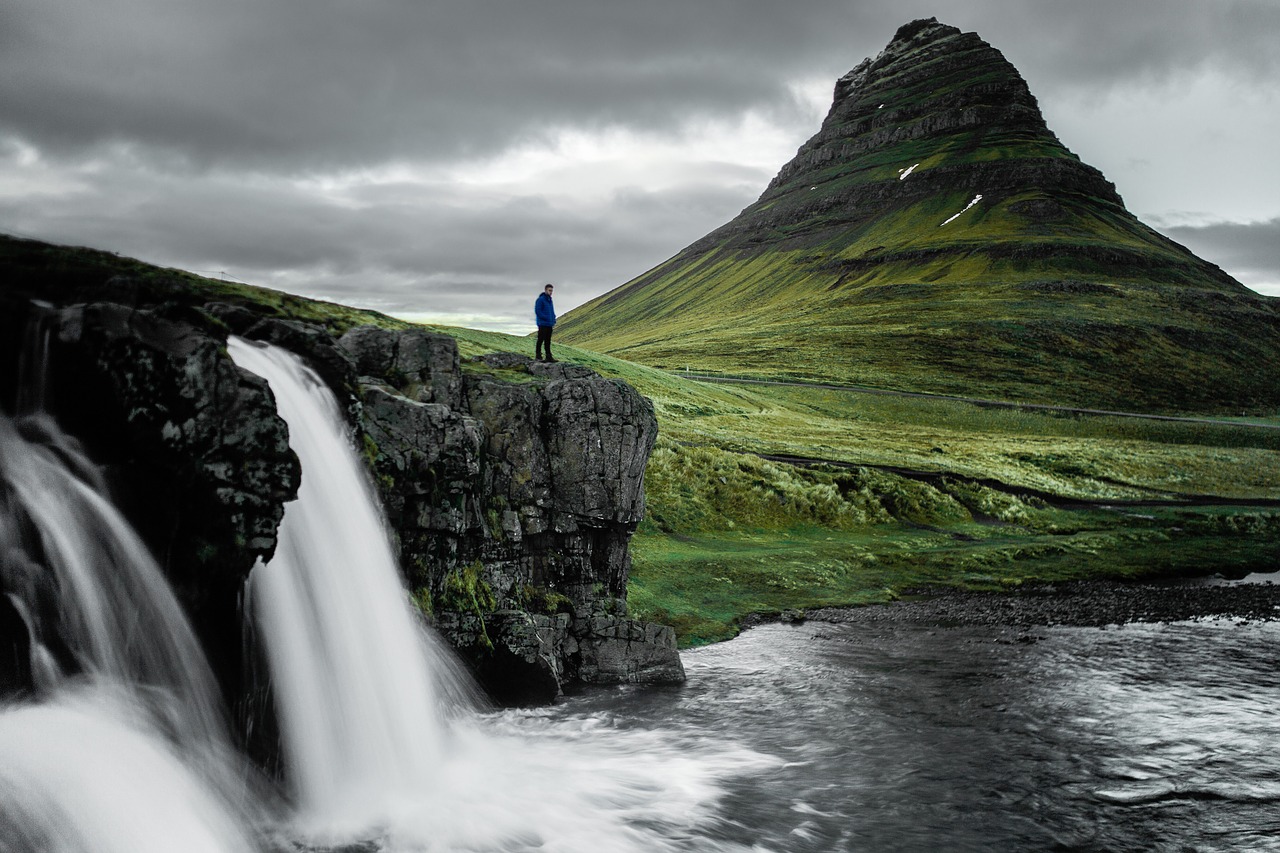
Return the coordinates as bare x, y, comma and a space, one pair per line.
125, 746
378, 745
122, 748
114, 605
356, 676
84, 772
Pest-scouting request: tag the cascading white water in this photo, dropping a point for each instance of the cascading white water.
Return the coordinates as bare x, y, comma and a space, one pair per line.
360, 686
85, 772
123, 748
116, 608
126, 749
354, 674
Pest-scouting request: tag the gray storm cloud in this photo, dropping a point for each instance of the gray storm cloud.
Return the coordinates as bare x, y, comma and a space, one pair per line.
304, 84
1250, 250
202, 134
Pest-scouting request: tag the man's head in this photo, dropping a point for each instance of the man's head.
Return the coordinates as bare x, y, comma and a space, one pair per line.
547, 290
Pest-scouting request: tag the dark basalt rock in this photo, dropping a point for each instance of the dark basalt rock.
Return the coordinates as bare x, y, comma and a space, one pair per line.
513, 508
191, 445
426, 364
511, 502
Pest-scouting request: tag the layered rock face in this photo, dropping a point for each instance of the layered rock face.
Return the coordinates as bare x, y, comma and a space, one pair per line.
933, 91
511, 489
935, 235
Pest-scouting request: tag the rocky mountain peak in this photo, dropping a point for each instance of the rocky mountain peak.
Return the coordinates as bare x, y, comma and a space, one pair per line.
935, 234
932, 90
909, 37
923, 28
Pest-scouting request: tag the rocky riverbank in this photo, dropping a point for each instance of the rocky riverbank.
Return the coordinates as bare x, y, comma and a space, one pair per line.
1093, 603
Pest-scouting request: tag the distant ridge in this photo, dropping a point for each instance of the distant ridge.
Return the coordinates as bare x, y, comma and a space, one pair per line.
935, 235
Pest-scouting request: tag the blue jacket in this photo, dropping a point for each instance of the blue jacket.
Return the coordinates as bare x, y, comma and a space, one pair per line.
544, 311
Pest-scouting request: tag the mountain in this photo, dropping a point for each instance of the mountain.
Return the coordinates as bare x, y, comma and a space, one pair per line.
935, 235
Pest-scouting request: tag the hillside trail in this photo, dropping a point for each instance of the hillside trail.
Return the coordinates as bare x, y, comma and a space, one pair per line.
977, 401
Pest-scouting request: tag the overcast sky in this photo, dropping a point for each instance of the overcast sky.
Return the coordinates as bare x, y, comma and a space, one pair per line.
444, 158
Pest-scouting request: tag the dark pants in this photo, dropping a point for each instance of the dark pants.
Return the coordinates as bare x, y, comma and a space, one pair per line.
544, 337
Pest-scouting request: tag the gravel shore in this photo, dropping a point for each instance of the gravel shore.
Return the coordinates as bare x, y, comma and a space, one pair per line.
1083, 603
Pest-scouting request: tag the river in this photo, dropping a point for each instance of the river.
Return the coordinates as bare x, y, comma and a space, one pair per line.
1142, 737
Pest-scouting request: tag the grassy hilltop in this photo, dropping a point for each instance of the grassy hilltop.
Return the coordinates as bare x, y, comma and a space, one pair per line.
935, 235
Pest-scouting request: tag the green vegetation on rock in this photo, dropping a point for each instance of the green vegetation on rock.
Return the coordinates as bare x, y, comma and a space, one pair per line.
906, 491
764, 499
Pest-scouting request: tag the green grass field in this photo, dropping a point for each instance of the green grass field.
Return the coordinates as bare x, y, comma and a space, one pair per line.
920, 491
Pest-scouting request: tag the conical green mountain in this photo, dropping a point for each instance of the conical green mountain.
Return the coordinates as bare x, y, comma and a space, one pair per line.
936, 236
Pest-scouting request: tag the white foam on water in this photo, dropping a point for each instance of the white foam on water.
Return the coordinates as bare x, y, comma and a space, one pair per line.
87, 772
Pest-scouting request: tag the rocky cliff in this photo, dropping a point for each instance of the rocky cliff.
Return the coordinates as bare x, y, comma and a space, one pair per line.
511, 488
935, 235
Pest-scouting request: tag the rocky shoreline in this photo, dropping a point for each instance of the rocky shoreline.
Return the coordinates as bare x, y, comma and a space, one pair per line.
1088, 603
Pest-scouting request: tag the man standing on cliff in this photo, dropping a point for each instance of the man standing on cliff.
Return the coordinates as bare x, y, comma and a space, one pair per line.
545, 314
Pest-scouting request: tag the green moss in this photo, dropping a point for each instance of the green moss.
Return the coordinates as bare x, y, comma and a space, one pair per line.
421, 598
205, 551
466, 591
369, 449
544, 600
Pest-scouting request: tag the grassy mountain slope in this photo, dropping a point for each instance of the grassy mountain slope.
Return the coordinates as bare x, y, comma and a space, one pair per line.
80, 274
935, 235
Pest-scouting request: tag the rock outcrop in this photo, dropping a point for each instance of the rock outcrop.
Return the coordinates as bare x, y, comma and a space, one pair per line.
191, 445
512, 487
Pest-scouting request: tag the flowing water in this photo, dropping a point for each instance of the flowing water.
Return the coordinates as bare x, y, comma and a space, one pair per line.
354, 675
85, 770
123, 747
1146, 737
790, 738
